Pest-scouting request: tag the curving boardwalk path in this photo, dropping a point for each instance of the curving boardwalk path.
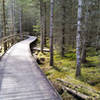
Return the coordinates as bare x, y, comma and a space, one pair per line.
20, 76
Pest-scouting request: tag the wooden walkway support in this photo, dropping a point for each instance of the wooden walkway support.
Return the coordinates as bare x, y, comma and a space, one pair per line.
21, 77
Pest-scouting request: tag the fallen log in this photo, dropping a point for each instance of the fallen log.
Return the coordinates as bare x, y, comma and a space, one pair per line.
78, 94
90, 89
72, 91
67, 83
38, 49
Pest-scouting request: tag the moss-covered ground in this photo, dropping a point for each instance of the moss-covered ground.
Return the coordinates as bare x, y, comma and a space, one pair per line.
65, 68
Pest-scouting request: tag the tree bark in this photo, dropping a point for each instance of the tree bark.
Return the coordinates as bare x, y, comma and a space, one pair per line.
83, 57
13, 19
13, 16
98, 30
20, 21
66, 86
4, 19
41, 20
97, 39
78, 39
4, 23
51, 32
63, 29
45, 24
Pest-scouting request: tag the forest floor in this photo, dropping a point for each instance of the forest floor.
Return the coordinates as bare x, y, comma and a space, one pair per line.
65, 69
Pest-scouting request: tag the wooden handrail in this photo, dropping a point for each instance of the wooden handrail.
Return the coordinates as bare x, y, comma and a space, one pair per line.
12, 39
7, 38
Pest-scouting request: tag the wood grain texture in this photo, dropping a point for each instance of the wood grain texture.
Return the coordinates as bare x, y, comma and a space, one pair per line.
21, 77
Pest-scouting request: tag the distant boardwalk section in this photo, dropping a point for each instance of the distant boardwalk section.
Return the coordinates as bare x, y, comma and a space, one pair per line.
20, 76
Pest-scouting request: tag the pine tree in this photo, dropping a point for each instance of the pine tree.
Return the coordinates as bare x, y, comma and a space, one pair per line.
51, 32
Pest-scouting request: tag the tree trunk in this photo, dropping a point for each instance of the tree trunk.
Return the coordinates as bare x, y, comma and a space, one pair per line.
13, 16
98, 30
20, 19
42, 32
51, 32
97, 40
83, 53
78, 39
45, 24
4, 24
63, 29
83, 57
13, 19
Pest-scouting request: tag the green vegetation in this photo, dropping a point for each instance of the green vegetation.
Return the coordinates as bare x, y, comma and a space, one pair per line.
65, 25
65, 69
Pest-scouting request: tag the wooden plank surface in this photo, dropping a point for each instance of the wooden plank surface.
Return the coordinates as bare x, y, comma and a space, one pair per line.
21, 78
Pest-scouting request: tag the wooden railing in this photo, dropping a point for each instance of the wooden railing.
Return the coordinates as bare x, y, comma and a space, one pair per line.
7, 41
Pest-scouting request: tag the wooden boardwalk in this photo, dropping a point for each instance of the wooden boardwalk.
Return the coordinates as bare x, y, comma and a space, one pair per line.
20, 76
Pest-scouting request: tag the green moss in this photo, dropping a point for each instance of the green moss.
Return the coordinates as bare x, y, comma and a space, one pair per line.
97, 86
65, 68
67, 96
71, 56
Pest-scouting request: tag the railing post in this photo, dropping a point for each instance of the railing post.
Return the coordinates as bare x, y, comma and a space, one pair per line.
5, 47
8, 41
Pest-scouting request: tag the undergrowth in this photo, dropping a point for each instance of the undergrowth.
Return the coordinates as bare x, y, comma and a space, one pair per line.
65, 67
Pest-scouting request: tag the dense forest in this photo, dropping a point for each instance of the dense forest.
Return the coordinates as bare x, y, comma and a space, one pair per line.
68, 46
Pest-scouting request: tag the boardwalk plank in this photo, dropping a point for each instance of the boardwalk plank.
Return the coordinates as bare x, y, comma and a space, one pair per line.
21, 78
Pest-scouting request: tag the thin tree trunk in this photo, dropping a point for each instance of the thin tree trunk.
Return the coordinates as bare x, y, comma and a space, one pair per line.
13, 18
20, 21
45, 24
51, 32
83, 53
4, 24
78, 39
97, 39
41, 19
4, 19
63, 29
83, 57
73, 42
